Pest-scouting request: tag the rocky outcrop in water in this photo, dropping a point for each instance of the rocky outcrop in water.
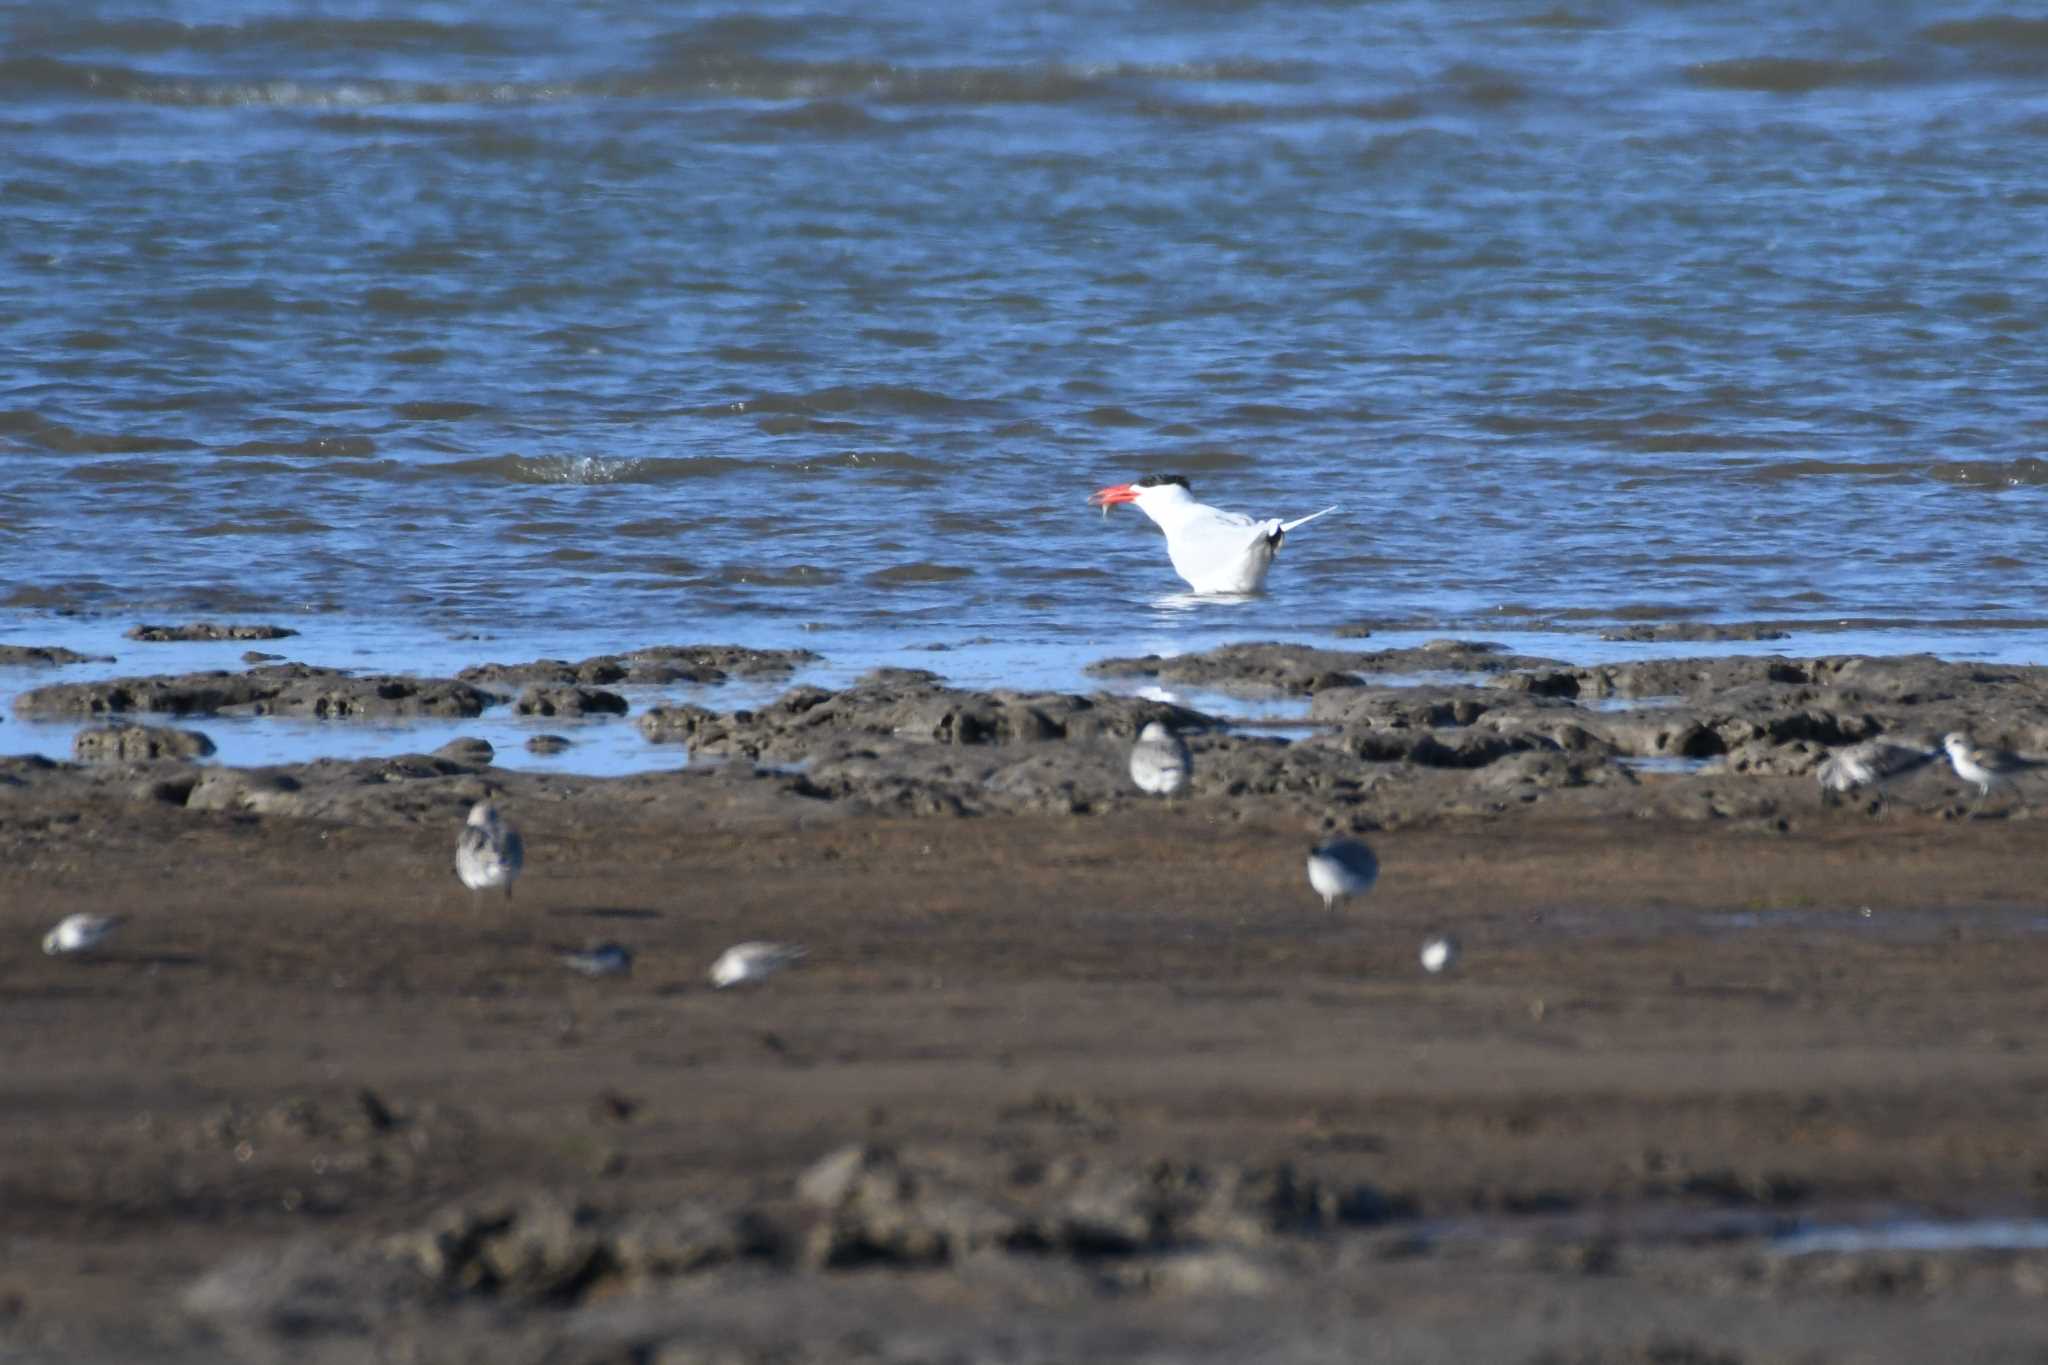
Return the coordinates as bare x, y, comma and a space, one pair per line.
46, 656
207, 631
1283, 670
569, 702
658, 664
138, 744
277, 690
796, 724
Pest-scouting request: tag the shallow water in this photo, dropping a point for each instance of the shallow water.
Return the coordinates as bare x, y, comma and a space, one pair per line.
627, 323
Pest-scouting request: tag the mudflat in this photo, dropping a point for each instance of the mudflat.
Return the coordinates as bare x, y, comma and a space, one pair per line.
1664, 1044
1719, 1068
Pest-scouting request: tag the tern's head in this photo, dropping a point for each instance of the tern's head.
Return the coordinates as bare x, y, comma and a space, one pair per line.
1155, 730
483, 815
53, 942
1956, 742
1154, 490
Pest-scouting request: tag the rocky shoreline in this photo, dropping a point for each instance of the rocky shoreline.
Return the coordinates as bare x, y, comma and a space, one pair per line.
1384, 736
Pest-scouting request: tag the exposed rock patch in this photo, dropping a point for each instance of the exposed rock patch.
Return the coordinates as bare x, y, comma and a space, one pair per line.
1267, 670
1694, 632
284, 689
569, 702
46, 656
657, 664
205, 631
138, 744
800, 722
467, 749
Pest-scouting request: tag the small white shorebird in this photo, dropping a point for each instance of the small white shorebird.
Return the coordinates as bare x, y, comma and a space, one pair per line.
603, 959
1987, 768
756, 961
1439, 954
1872, 763
489, 852
1160, 762
1341, 867
1214, 550
77, 935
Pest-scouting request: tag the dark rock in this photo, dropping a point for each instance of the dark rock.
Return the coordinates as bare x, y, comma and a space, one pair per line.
183, 695
306, 1289
1264, 670
897, 677
531, 1246
570, 702
208, 630
548, 744
257, 656
284, 689
372, 698
126, 743
658, 664
46, 656
805, 720
467, 749
1693, 632
682, 1241
883, 1211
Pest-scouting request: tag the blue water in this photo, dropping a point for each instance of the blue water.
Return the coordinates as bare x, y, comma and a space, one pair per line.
618, 323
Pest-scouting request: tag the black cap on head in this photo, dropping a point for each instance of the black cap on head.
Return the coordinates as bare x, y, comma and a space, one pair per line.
1154, 480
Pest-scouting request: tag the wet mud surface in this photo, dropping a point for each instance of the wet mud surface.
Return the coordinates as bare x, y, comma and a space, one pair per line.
1066, 1074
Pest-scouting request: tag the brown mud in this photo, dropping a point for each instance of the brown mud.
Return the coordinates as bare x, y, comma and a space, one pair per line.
1050, 1085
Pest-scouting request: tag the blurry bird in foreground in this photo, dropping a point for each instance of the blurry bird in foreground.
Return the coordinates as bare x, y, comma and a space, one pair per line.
489, 852
1341, 867
77, 935
1984, 766
745, 962
1872, 763
603, 959
1160, 762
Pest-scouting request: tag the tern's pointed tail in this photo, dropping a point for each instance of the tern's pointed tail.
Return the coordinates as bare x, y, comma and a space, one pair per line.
1287, 526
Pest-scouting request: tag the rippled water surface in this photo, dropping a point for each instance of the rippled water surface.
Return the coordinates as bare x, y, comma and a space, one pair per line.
640, 322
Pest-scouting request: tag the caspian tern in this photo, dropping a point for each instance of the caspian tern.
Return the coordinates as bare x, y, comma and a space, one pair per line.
1214, 550
1160, 762
1341, 867
1987, 768
489, 852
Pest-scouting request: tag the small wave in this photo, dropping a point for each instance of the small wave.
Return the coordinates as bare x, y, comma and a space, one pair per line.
896, 399
407, 304
1995, 31
832, 117
1114, 418
281, 524
785, 424
923, 571
308, 34
783, 576
58, 439
1791, 75
589, 469
447, 410
693, 74
1992, 475
352, 447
